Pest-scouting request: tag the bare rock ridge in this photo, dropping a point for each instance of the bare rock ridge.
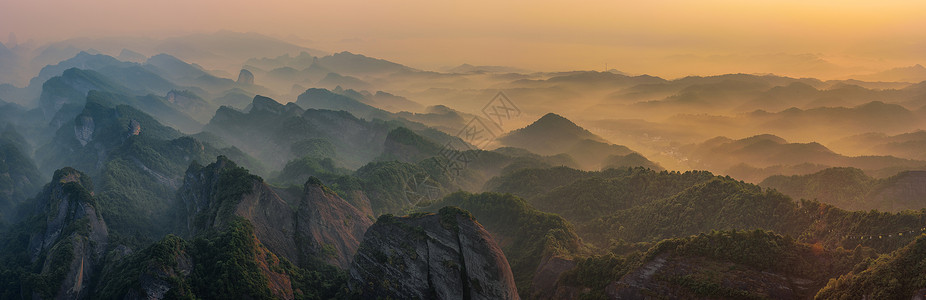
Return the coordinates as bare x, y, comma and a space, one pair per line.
319, 224
447, 255
73, 237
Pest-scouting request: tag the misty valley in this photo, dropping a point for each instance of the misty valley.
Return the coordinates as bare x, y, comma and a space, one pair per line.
242, 166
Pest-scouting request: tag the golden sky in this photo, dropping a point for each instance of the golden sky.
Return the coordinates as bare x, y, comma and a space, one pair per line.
669, 38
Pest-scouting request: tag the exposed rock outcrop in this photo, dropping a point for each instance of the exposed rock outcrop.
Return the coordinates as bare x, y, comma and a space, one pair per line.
321, 226
83, 129
134, 128
73, 237
431, 256
245, 77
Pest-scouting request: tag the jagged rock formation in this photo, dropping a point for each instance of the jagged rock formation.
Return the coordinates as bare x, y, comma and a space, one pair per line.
431, 256
245, 77
72, 239
322, 225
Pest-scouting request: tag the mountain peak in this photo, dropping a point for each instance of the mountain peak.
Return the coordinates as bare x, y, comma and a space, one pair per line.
549, 135
557, 123
552, 117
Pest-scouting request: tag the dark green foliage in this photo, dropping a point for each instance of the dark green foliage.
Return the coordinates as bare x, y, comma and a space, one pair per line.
405, 145
22, 270
232, 184
530, 183
898, 275
46, 285
762, 250
629, 160
385, 183
716, 204
614, 190
597, 271
226, 267
320, 148
298, 170
706, 258
613, 207
161, 260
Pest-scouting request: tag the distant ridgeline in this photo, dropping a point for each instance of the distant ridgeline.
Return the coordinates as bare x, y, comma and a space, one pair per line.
156, 179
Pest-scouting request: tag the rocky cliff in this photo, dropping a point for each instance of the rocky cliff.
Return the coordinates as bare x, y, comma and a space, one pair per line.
318, 225
447, 255
72, 238
245, 77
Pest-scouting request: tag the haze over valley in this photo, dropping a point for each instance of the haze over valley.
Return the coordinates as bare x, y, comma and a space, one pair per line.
517, 150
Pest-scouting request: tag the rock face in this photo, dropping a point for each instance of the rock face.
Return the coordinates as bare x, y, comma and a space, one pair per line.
431, 256
245, 77
134, 128
322, 225
83, 129
335, 228
74, 236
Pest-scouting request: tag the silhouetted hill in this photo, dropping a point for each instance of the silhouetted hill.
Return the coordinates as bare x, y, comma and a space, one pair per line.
357, 64
553, 134
758, 157
905, 145
915, 73
851, 189
325, 99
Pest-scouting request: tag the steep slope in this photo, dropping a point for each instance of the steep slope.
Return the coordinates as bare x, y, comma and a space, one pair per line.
137, 163
19, 177
318, 225
424, 256
227, 264
898, 275
58, 248
534, 242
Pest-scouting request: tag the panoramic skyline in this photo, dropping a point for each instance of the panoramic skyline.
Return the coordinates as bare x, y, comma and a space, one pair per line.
825, 39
